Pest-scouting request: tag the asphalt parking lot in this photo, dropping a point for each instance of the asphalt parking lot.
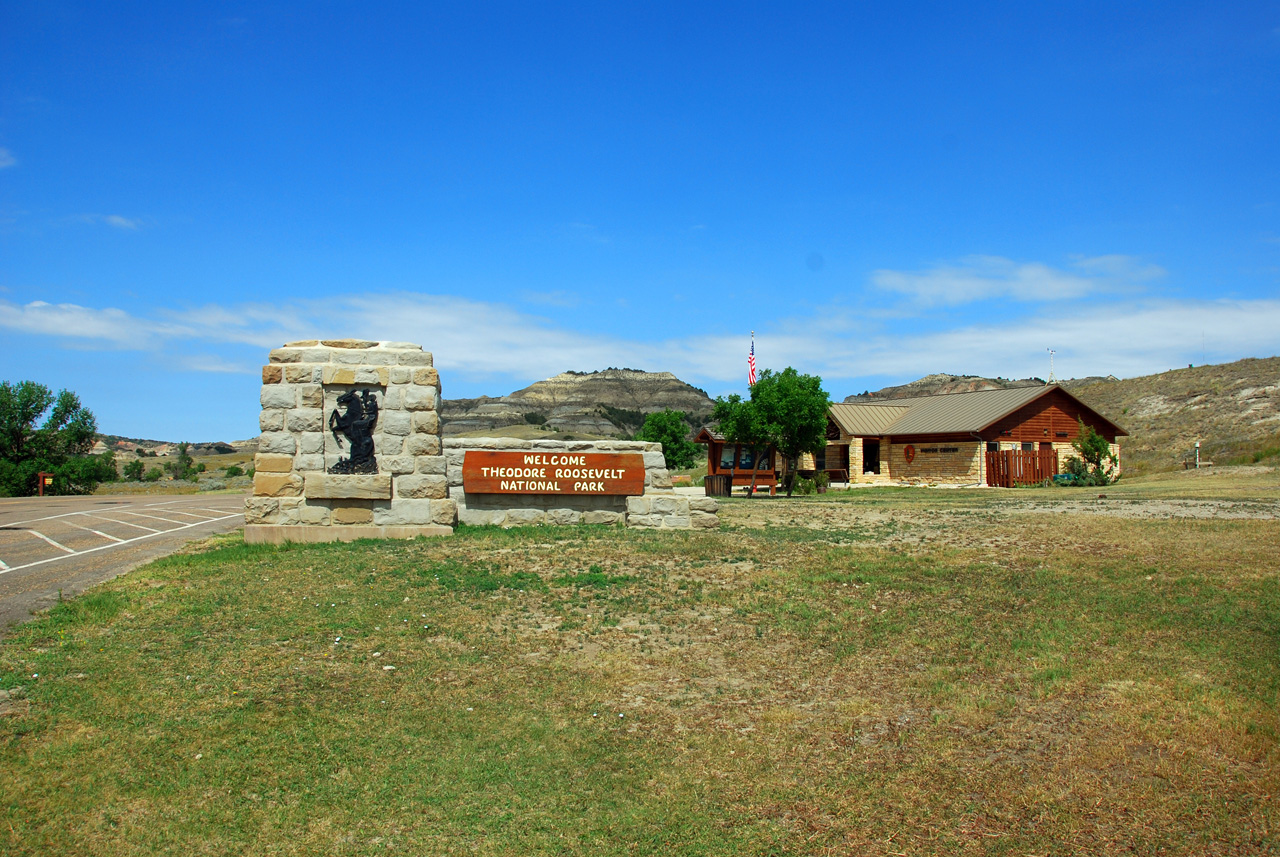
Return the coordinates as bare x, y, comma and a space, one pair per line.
52, 547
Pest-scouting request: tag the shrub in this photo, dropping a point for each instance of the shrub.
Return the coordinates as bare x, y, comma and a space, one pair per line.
805, 487
133, 470
534, 418
153, 475
1095, 464
233, 470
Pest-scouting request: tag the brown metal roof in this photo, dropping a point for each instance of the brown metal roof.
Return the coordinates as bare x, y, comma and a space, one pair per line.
866, 420
962, 412
946, 413
949, 413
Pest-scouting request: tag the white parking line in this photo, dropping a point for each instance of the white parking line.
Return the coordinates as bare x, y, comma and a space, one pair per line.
188, 514
8, 569
122, 523
92, 530
152, 517
92, 513
40, 535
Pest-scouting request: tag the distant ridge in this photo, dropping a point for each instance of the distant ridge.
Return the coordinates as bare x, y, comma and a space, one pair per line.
608, 402
933, 385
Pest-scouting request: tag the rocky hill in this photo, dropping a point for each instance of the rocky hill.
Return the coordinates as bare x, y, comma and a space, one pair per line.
609, 402
1233, 409
932, 385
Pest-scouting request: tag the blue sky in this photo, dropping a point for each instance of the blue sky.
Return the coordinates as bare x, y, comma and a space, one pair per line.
880, 191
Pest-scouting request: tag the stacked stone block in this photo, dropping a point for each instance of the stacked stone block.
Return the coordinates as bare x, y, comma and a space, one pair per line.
295, 498
659, 507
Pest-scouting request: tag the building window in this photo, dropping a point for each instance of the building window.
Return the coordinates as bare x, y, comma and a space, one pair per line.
746, 459
1028, 447
993, 446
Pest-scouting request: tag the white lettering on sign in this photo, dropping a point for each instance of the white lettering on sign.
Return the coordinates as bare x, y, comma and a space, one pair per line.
537, 472
528, 485
555, 459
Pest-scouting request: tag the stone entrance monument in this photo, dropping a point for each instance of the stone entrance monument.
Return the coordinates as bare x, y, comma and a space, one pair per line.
351, 448
350, 445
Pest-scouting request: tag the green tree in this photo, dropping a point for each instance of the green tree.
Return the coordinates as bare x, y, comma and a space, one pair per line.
40, 431
133, 470
1095, 463
738, 421
669, 428
793, 414
184, 466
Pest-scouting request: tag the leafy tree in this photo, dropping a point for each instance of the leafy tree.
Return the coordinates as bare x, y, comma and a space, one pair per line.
669, 428
133, 470
1096, 464
740, 423
793, 412
43, 432
153, 475
184, 466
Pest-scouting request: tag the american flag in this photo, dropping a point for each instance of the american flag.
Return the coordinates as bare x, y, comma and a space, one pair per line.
751, 362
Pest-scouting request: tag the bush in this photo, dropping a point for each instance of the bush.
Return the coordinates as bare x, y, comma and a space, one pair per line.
805, 487
534, 418
1095, 464
133, 470
821, 479
184, 467
233, 470
153, 475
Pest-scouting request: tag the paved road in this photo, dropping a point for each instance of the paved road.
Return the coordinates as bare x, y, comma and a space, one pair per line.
67, 544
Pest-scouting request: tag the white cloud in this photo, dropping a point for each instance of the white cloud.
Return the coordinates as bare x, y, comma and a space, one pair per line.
7, 159
556, 298
1125, 339
474, 339
118, 221
109, 326
214, 363
976, 278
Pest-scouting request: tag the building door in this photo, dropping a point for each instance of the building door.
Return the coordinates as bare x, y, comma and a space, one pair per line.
871, 455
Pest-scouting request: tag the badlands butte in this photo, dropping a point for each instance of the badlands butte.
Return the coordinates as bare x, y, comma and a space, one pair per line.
607, 403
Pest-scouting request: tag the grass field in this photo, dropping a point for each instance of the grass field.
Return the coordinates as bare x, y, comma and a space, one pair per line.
879, 672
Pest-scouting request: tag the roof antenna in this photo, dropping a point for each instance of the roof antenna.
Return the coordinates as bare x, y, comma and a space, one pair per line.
1052, 380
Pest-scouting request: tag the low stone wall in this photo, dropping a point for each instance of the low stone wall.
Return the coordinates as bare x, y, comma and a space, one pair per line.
660, 507
296, 497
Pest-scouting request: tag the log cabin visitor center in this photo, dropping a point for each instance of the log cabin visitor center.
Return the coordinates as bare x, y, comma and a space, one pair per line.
998, 438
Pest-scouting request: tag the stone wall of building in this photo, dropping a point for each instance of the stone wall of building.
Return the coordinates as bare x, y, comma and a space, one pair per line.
946, 463
296, 498
660, 507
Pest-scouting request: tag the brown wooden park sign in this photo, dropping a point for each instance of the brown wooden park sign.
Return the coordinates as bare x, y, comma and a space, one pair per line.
520, 472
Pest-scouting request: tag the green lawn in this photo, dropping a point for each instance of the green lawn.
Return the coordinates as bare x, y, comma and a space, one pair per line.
1011, 684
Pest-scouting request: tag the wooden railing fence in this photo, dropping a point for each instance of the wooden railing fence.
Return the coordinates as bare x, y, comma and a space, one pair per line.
1009, 468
